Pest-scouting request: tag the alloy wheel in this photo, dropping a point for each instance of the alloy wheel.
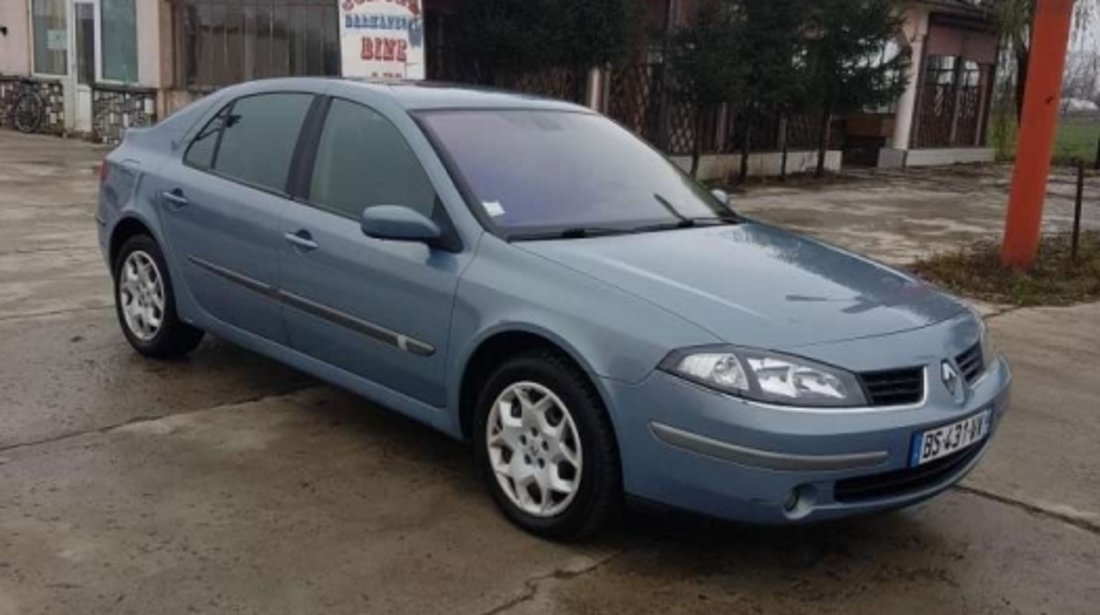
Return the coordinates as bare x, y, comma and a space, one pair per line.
141, 295
534, 449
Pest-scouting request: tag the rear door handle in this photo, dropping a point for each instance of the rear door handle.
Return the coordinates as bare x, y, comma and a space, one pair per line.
302, 240
175, 199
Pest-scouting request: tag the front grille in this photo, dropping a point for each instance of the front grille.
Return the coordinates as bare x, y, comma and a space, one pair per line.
901, 482
895, 387
970, 363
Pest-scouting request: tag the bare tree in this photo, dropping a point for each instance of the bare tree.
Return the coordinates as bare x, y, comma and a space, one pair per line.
1013, 19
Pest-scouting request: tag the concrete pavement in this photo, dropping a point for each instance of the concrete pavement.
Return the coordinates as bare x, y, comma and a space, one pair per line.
228, 484
899, 216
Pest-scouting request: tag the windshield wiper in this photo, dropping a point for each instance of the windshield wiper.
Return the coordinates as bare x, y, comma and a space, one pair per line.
573, 232
684, 220
686, 223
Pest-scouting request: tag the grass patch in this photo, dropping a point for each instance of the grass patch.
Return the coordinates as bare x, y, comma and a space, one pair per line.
975, 271
1075, 139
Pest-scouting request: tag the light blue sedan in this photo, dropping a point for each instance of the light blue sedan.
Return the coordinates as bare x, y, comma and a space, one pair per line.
527, 275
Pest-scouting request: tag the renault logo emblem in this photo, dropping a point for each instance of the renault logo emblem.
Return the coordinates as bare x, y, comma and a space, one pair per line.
951, 379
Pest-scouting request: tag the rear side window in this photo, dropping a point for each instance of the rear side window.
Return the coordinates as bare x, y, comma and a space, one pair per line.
363, 161
258, 137
201, 152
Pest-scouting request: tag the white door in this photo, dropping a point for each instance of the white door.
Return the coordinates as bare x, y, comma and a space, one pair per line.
84, 62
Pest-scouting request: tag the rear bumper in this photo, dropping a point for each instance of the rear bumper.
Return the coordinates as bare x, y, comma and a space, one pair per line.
688, 447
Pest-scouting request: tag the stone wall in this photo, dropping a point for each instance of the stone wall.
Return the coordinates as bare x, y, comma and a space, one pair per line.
53, 122
114, 109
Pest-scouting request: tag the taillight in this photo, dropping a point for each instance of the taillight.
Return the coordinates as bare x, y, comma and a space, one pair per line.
104, 170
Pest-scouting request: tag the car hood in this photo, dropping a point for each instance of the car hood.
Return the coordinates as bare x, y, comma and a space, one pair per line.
757, 285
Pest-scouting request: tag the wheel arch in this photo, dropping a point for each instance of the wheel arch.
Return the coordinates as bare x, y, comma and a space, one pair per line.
124, 229
494, 348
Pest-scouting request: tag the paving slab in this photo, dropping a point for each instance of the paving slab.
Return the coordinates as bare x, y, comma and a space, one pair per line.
898, 217
960, 554
313, 502
317, 501
227, 483
75, 372
1047, 452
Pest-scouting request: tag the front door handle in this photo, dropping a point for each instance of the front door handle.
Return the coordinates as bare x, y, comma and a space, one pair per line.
175, 199
302, 240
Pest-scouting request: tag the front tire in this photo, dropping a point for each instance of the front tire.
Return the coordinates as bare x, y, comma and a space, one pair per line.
546, 447
146, 304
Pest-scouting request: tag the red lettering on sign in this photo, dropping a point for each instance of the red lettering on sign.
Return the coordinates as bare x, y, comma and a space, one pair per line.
384, 49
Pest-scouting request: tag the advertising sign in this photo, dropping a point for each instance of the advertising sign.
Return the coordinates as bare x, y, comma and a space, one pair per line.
382, 38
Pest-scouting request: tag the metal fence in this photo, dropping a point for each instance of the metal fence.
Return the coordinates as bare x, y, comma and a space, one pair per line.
220, 42
639, 99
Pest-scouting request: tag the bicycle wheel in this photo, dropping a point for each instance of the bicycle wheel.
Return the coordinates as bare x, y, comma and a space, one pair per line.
27, 112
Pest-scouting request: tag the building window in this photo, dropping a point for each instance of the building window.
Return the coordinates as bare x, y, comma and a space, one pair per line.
220, 42
51, 37
118, 24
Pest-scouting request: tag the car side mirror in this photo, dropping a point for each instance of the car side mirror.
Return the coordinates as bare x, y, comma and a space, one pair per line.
721, 195
399, 223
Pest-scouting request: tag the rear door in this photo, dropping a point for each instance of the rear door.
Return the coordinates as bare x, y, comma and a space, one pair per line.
222, 207
379, 309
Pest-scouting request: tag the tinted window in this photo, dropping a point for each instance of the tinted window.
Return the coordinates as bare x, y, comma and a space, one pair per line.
363, 161
201, 152
552, 170
259, 138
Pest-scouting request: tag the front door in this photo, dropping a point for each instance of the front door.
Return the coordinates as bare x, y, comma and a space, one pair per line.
378, 309
84, 65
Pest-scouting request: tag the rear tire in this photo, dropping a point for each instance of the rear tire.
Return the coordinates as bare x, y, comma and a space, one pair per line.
146, 304
546, 447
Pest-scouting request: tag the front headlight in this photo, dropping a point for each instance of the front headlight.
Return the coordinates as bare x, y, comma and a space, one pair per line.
767, 376
989, 349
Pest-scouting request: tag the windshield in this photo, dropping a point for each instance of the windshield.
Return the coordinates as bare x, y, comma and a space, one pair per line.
565, 173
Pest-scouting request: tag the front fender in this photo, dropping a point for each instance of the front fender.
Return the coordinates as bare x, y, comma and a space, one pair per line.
611, 334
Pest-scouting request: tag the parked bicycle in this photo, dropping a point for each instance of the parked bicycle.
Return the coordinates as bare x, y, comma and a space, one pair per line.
29, 109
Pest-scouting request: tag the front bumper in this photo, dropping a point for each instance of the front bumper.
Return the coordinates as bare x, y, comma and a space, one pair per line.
689, 447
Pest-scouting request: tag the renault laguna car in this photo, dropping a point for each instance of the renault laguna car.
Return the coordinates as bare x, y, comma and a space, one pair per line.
527, 275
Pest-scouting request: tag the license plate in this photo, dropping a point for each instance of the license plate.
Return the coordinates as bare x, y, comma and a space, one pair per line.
942, 441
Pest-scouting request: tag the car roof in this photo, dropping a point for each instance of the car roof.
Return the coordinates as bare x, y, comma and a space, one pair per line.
420, 95
423, 95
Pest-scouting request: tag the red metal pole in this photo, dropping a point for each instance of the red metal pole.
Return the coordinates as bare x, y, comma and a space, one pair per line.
1042, 99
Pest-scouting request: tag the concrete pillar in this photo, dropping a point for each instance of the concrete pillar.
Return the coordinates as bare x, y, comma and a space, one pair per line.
916, 31
592, 89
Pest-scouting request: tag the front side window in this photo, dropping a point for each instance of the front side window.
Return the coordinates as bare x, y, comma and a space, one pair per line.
258, 139
119, 40
51, 37
363, 161
538, 171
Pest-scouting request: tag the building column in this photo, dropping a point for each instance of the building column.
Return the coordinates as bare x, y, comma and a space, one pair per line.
916, 31
594, 89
